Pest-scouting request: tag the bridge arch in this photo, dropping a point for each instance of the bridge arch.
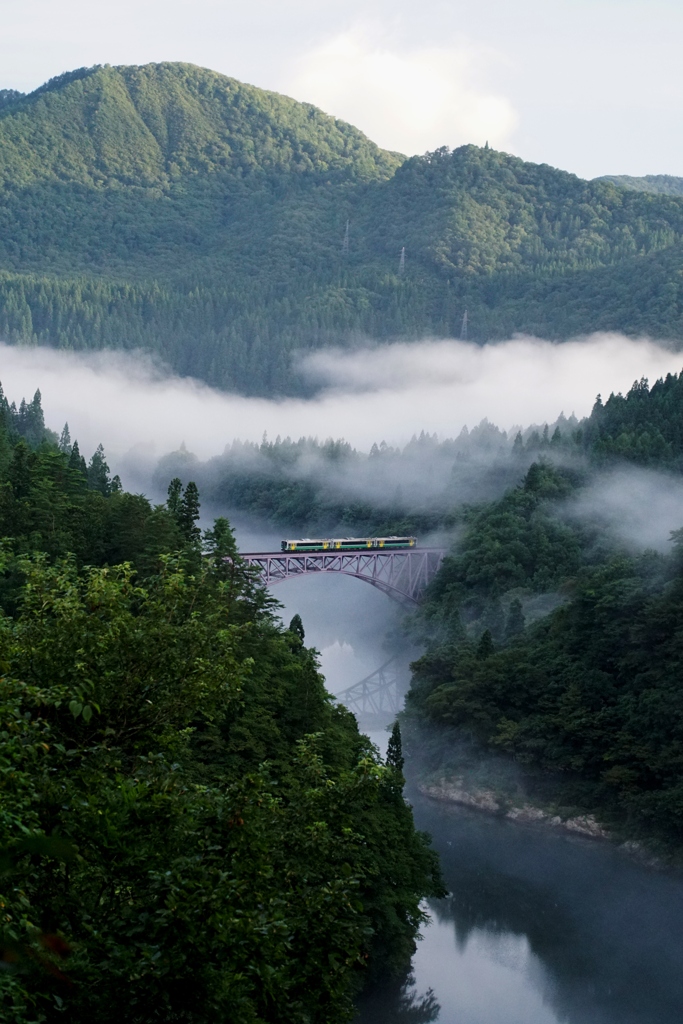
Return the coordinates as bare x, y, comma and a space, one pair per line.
403, 575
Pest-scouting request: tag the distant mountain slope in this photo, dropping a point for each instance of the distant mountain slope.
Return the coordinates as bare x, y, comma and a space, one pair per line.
661, 184
171, 208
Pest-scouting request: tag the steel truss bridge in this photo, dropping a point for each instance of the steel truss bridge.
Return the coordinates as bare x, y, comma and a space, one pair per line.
403, 574
377, 694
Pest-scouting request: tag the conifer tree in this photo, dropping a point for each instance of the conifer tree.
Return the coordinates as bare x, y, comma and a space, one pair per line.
175, 494
20, 475
296, 626
77, 462
30, 421
395, 749
98, 473
189, 513
65, 440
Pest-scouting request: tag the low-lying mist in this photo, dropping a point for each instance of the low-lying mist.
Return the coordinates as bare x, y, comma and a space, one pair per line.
427, 426
139, 411
641, 507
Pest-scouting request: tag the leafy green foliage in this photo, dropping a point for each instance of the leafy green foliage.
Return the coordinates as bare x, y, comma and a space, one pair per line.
190, 828
517, 543
591, 694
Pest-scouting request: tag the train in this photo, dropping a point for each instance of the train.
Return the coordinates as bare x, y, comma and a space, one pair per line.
349, 544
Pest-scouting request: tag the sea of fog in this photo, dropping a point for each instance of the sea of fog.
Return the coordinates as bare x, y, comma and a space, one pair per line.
139, 410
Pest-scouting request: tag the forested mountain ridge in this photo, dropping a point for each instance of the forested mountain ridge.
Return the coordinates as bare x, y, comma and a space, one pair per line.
146, 126
664, 184
555, 640
170, 208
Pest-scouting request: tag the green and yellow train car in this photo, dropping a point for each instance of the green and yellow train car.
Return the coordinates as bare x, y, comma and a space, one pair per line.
348, 544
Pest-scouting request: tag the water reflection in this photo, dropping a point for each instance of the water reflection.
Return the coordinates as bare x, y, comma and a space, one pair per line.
399, 1001
540, 928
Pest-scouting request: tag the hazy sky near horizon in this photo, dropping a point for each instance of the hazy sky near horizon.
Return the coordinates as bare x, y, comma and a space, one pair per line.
592, 86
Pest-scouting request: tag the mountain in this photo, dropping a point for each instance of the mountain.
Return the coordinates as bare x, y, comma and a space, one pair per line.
169, 208
663, 184
148, 126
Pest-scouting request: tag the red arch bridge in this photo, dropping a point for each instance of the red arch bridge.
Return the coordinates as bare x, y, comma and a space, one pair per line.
403, 574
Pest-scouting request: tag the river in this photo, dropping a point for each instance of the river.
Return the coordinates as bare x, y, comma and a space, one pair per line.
540, 928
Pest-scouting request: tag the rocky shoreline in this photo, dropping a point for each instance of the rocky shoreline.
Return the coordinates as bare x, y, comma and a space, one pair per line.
455, 791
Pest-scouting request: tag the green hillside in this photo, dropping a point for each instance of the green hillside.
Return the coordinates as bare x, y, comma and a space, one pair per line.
584, 699
170, 208
664, 184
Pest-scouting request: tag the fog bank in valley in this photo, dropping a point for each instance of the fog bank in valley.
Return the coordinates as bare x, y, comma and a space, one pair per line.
389, 392
367, 395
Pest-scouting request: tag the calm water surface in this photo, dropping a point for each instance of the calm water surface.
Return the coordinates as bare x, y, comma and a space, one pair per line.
540, 928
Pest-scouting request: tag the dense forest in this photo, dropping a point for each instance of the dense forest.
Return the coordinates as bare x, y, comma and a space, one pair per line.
221, 227
664, 184
313, 486
191, 829
552, 641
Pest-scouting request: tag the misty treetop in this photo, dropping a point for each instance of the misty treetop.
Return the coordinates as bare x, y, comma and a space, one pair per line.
53, 500
644, 426
663, 184
312, 485
169, 208
587, 699
315, 485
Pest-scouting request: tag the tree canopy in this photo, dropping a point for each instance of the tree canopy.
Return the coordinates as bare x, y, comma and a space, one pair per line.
190, 828
552, 641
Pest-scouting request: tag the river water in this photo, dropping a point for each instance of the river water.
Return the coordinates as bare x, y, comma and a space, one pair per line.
539, 928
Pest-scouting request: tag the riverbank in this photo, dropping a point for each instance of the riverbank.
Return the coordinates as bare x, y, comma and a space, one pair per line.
457, 790
542, 927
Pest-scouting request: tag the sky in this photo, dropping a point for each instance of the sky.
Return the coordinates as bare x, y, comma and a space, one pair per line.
591, 86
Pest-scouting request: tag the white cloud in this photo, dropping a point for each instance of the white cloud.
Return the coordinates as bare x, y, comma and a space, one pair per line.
407, 101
